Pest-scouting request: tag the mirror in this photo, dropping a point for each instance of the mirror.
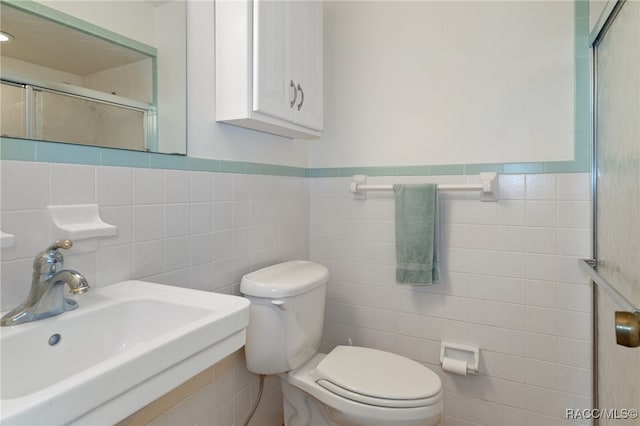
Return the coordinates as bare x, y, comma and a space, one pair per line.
68, 80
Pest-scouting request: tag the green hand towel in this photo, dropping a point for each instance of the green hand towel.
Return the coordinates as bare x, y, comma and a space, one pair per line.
417, 257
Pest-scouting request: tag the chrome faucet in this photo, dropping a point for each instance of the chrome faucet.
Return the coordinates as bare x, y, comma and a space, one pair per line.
46, 297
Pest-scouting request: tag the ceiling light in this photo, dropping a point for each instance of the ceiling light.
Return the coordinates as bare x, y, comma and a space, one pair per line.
5, 37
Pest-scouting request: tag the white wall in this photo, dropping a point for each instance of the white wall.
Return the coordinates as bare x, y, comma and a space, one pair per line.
38, 72
216, 140
131, 81
172, 84
432, 82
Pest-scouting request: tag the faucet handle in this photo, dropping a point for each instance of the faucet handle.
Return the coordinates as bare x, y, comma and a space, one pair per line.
50, 260
61, 244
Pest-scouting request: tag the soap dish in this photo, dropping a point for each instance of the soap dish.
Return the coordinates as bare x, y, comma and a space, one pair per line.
7, 240
78, 222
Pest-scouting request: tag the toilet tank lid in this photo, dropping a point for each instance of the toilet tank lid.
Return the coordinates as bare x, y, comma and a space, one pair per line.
284, 279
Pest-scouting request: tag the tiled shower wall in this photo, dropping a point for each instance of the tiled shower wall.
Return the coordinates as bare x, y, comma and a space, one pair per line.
199, 230
511, 285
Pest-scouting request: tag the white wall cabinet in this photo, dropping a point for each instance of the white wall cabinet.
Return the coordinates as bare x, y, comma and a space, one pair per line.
269, 66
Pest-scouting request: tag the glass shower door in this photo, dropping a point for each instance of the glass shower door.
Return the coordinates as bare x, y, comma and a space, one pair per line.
617, 215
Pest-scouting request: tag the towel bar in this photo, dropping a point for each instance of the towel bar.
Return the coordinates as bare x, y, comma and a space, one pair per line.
488, 187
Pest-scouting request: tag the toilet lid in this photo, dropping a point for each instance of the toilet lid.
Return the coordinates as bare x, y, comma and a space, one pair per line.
377, 377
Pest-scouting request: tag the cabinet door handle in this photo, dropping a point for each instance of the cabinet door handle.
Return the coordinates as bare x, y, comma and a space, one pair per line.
295, 94
301, 96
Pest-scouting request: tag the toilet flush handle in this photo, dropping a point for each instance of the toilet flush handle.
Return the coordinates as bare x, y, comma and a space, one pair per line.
279, 304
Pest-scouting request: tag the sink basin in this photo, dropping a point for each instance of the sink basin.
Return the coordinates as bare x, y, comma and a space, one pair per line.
125, 346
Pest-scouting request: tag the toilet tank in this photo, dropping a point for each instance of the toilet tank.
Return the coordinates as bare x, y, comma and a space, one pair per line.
286, 315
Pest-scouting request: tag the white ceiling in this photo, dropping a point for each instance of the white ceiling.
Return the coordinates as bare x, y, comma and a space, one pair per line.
46, 43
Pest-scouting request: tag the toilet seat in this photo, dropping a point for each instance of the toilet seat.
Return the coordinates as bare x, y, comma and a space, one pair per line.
378, 402
378, 378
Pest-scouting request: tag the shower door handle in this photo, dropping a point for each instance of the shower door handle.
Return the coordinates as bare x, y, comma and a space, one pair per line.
627, 323
628, 329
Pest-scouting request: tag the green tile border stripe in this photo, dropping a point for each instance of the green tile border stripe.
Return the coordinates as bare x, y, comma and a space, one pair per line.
51, 152
456, 169
80, 25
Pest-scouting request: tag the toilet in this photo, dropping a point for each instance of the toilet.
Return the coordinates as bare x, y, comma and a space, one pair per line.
348, 386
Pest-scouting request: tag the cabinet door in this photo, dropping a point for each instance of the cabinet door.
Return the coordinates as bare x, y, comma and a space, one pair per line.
306, 44
272, 93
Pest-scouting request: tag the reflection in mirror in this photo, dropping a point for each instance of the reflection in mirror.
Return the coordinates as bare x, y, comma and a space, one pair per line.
86, 85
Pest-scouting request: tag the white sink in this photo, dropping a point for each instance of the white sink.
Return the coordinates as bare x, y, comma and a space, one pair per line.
126, 345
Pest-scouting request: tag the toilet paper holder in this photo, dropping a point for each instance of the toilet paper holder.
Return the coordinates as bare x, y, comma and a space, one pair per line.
466, 353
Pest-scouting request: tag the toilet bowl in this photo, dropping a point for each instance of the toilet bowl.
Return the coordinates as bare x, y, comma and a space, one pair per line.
349, 392
348, 386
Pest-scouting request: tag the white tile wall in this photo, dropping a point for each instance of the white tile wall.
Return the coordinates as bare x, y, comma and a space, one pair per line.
190, 229
511, 285
132, 80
